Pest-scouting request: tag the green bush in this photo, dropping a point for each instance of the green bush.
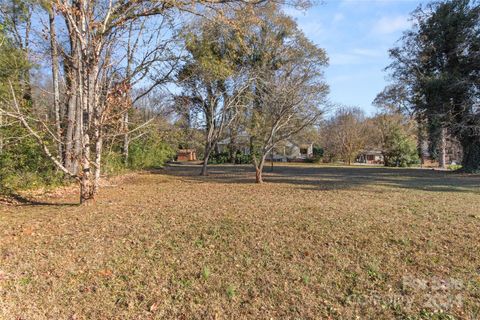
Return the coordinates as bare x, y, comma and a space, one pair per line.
113, 162
454, 167
400, 150
318, 154
219, 158
23, 165
224, 157
150, 152
242, 158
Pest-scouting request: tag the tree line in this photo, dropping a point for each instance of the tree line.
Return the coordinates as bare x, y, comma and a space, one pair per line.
89, 87
82, 80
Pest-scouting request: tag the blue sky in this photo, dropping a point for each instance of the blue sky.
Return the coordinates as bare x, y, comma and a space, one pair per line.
357, 35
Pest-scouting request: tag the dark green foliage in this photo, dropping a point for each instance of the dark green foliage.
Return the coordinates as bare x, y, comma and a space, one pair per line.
438, 62
224, 157
219, 158
318, 153
471, 154
242, 158
434, 137
399, 149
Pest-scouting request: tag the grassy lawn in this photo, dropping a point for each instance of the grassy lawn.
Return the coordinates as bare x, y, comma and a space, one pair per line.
310, 243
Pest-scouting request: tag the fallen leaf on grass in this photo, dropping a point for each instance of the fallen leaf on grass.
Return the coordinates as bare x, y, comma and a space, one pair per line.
3, 275
105, 272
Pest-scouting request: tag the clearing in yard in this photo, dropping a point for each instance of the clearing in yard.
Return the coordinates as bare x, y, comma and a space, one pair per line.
313, 242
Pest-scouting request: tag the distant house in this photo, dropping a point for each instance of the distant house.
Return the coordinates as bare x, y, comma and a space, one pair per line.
186, 155
291, 151
371, 157
242, 142
283, 152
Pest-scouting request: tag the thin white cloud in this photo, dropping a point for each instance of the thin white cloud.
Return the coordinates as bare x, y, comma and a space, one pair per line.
369, 53
340, 59
356, 56
341, 78
338, 17
389, 25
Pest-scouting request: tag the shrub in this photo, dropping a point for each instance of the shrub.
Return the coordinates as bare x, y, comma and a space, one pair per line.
224, 157
23, 165
242, 158
113, 162
400, 150
455, 167
318, 154
219, 158
150, 152
147, 152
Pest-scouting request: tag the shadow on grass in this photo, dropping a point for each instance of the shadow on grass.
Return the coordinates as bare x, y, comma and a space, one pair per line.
24, 201
334, 178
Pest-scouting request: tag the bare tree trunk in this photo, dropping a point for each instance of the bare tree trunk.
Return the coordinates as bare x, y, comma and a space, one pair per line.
71, 124
233, 155
232, 146
208, 151
71, 133
91, 124
259, 168
131, 48
80, 109
77, 152
98, 158
1, 134
84, 105
25, 76
126, 139
443, 149
55, 75
271, 160
86, 185
471, 154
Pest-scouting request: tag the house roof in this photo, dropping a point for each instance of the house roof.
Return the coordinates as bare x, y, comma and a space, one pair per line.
244, 138
372, 152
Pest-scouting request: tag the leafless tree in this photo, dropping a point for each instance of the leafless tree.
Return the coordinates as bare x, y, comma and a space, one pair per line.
219, 105
284, 105
345, 134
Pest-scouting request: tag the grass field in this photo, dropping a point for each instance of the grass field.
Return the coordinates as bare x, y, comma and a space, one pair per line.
310, 243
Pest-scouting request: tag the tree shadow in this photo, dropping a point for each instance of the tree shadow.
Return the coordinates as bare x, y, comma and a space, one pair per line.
334, 178
24, 201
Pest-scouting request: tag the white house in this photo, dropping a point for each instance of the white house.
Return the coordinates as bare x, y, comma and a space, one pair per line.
285, 151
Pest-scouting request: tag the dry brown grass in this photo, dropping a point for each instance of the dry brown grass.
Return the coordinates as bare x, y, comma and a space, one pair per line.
311, 243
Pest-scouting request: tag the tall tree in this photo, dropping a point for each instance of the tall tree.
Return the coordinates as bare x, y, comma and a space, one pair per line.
212, 81
288, 89
439, 61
